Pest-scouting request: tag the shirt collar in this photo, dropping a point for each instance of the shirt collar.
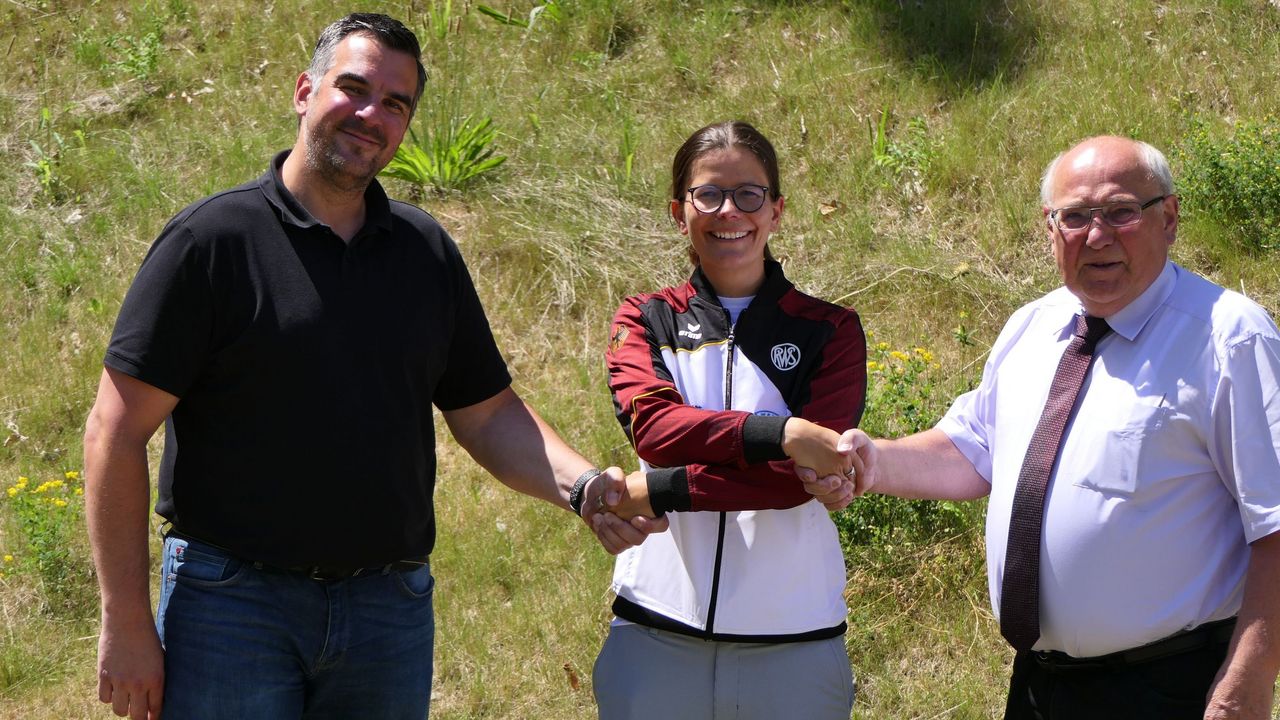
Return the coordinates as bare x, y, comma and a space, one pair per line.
1129, 320
377, 206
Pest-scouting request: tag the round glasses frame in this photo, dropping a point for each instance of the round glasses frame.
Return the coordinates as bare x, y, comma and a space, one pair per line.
747, 197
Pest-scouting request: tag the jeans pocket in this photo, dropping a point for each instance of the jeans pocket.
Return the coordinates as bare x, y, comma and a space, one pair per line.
417, 583
203, 566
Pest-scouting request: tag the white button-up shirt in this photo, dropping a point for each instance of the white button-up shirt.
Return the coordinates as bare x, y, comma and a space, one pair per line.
1168, 468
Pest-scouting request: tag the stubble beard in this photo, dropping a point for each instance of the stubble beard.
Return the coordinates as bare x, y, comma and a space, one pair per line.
326, 160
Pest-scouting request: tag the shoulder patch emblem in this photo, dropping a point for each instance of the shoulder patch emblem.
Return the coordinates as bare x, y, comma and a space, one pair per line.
618, 336
785, 356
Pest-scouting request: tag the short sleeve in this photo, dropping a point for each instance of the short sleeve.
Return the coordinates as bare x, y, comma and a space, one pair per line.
475, 370
163, 332
1246, 432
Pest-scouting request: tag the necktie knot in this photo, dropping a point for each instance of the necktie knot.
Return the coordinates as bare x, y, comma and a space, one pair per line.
1092, 329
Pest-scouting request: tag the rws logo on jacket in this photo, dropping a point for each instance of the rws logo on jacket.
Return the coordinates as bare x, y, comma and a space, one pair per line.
785, 356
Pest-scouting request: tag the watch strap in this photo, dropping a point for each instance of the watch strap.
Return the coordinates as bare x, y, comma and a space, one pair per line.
575, 495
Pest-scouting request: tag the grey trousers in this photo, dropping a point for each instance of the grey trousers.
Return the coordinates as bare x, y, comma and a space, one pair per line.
642, 674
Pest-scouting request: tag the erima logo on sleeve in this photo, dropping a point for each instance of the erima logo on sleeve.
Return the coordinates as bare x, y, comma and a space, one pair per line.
785, 356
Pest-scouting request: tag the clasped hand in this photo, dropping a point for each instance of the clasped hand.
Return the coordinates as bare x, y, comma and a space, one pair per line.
616, 508
834, 468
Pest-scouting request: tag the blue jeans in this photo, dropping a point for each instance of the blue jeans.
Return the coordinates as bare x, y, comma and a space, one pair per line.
246, 644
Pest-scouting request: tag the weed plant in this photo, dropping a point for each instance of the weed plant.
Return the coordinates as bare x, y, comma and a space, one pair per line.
118, 113
1233, 181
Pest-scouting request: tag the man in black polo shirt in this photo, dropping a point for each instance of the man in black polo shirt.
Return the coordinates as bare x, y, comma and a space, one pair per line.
293, 334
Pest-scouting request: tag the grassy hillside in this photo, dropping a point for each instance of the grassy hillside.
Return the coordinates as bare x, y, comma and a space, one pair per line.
911, 137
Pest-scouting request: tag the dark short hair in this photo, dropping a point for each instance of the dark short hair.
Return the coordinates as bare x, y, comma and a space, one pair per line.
386, 30
723, 136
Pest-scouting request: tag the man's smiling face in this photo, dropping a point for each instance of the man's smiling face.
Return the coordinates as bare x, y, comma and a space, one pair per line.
354, 117
1107, 267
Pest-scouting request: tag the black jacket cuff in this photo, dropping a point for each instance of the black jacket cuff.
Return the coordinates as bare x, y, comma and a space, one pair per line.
762, 438
668, 490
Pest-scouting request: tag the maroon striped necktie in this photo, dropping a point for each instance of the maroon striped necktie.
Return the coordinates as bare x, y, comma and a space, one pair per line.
1020, 590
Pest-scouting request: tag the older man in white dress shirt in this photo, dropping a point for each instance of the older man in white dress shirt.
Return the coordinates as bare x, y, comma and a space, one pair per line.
1154, 525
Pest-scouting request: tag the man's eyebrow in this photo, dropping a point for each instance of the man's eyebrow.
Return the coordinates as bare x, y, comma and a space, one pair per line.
360, 79
350, 77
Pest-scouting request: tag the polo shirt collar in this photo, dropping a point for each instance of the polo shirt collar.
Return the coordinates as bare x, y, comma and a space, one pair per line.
377, 206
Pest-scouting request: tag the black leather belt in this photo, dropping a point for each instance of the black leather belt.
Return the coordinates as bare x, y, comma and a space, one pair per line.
321, 572
328, 573
1206, 635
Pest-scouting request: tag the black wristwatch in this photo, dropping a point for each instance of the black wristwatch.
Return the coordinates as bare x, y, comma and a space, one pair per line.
575, 495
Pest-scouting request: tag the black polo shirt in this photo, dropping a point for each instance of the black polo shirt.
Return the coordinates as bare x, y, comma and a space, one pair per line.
306, 369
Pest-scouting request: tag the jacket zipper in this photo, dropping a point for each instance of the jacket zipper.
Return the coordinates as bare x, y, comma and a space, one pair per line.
715, 580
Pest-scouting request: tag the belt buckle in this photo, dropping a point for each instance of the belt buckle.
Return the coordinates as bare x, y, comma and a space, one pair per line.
324, 574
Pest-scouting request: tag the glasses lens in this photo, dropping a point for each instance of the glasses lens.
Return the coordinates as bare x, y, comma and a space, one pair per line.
748, 198
706, 198
1121, 214
1075, 218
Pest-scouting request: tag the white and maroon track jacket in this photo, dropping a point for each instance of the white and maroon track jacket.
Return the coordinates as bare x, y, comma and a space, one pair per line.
750, 556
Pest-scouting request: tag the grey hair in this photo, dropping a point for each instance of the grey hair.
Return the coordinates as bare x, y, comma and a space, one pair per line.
1153, 161
384, 29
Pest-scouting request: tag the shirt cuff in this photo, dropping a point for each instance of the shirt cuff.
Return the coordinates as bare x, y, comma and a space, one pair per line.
762, 438
668, 490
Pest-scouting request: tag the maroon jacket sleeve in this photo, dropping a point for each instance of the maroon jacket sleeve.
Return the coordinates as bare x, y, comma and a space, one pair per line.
723, 460
663, 429
837, 392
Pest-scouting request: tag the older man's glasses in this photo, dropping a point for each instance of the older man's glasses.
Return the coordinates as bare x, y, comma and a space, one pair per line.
708, 199
1118, 214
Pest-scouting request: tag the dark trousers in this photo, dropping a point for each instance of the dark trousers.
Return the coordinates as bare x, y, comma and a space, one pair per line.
1171, 688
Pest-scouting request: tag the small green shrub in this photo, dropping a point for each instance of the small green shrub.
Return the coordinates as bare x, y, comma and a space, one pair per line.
903, 162
1234, 181
458, 152
902, 398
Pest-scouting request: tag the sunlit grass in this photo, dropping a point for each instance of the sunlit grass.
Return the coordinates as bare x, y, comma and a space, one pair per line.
945, 236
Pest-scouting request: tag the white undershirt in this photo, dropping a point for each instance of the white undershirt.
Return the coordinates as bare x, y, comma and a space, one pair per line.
735, 306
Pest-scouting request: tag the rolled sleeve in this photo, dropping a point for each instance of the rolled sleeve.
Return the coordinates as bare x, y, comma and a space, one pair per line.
964, 423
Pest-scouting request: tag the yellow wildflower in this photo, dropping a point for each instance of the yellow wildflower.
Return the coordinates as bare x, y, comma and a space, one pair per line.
872, 366
59, 502
79, 491
8, 558
882, 346
13, 492
899, 356
72, 475
22, 482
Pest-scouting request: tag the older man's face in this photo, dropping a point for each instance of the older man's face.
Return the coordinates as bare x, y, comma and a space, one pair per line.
1108, 267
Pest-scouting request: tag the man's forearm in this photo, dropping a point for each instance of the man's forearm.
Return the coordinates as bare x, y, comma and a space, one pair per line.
926, 466
517, 447
117, 500
1243, 688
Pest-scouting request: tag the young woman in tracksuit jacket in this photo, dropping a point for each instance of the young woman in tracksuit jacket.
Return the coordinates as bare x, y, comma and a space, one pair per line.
723, 385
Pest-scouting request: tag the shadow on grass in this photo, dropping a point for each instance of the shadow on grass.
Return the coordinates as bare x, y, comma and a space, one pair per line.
959, 44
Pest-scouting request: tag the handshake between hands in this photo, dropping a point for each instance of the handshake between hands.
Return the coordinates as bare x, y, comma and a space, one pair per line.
835, 468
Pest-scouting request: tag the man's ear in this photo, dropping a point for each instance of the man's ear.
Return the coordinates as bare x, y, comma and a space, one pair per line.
302, 94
